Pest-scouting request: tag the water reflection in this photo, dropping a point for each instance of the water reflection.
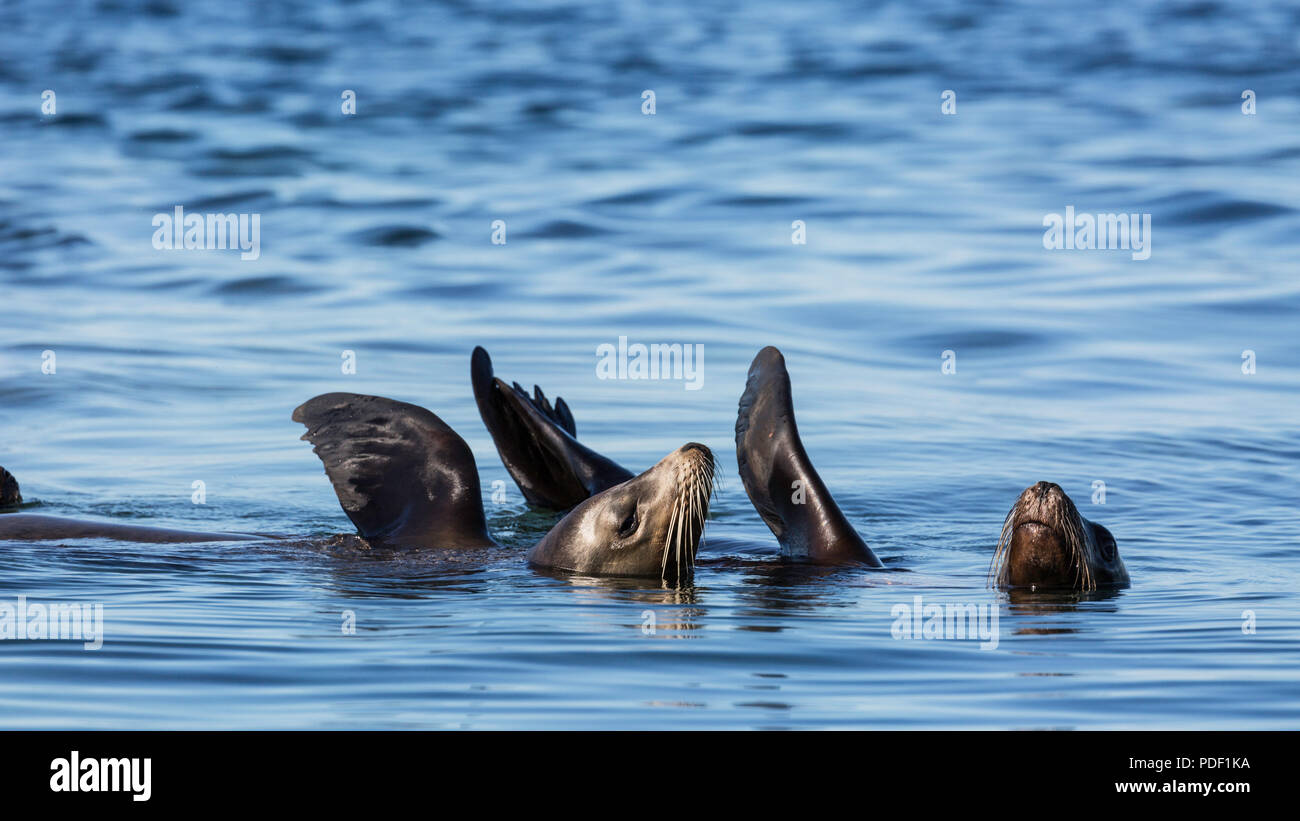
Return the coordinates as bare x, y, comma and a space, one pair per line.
1054, 604
664, 610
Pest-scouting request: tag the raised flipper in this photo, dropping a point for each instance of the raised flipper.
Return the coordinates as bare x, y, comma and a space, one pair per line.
804, 517
537, 442
403, 476
9, 493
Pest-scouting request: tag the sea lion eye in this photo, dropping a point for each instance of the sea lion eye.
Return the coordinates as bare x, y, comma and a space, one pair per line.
629, 525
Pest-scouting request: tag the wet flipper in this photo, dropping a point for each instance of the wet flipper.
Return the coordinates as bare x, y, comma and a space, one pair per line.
786, 490
403, 476
10, 496
537, 441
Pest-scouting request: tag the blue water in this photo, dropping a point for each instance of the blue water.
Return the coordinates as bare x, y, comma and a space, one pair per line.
924, 235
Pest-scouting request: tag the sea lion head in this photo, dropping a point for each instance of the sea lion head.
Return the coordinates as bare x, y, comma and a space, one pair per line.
9, 494
649, 525
1046, 543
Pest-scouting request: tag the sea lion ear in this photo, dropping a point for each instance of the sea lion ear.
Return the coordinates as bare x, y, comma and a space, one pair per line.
403, 476
1105, 541
9, 493
536, 441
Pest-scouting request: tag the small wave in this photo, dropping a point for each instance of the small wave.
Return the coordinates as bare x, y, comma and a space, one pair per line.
222, 201
973, 339
264, 286
819, 131
762, 201
454, 290
1227, 211
162, 135
76, 120
564, 229
396, 236
259, 152
642, 196
289, 54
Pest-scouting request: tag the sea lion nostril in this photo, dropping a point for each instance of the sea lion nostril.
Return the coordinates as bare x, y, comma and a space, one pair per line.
1043, 489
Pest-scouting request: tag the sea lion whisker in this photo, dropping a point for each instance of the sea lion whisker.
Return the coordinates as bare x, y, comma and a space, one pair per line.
998, 565
679, 557
668, 540
697, 528
690, 517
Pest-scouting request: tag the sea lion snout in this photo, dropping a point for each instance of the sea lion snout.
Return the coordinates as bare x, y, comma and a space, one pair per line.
1043, 502
1042, 490
1045, 488
691, 458
1037, 554
697, 448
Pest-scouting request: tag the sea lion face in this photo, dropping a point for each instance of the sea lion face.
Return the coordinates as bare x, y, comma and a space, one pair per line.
1047, 543
649, 525
9, 495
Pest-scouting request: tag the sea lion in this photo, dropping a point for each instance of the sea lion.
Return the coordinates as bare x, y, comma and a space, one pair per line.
407, 480
1046, 543
804, 517
538, 442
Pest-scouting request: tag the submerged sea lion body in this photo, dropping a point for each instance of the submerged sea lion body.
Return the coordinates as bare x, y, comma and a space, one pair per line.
35, 527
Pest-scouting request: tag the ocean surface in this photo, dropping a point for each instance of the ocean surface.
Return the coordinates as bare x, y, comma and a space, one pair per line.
129, 373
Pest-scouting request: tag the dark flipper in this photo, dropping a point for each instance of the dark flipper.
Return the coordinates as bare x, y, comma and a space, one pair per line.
403, 476
9, 493
804, 517
537, 442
